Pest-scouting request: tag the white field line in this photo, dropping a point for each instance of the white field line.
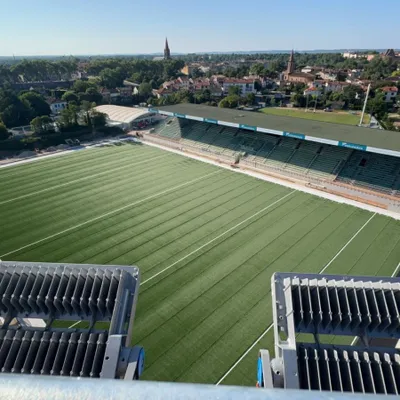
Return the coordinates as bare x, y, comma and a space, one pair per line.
396, 271
344, 247
113, 212
73, 325
270, 326
243, 355
283, 182
87, 146
211, 241
392, 276
219, 236
79, 180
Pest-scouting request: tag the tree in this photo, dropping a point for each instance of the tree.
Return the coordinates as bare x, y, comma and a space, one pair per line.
86, 107
112, 78
69, 116
257, 69
231, 101
145, 89
4, 134
250, 99
36, 125
257, 86
98, 119
42, 124
13, 111
196, 73
377, 106
36, 103
80, 86
92, 95
69, 96
298, 100
234, 90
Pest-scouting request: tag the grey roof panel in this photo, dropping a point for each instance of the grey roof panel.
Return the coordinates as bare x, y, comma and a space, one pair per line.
381, 139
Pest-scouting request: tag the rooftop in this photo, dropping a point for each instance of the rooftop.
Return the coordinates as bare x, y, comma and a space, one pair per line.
122, 114
377, 139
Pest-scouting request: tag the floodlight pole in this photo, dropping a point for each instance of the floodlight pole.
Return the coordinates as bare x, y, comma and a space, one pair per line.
365, 105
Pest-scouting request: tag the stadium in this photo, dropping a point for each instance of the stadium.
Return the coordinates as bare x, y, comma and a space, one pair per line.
209, 204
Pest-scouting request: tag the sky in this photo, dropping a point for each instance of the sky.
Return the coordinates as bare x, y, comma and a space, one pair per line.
64, 27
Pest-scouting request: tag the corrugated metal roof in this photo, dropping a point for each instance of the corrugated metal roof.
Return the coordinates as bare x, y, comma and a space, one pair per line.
380, 139
122, 114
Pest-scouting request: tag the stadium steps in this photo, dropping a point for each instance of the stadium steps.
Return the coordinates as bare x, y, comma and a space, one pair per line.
300, 161
171, 129
279, 156
323, 167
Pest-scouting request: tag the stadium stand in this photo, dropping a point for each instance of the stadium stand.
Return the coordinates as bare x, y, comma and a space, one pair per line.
322, 306
304, 159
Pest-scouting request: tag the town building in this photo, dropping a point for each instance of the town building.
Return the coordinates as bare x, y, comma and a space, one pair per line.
391, 54
290, 76
187, 70
127, 118
335, 86
390, 93
56, 106
312, 91
246, 86
350, 54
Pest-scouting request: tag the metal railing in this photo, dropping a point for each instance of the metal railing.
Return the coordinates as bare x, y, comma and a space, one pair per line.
22, 387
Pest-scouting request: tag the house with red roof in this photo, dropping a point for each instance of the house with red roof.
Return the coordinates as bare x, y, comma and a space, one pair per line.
390, 93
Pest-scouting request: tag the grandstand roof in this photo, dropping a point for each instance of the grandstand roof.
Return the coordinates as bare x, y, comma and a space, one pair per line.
373, 140
122, 114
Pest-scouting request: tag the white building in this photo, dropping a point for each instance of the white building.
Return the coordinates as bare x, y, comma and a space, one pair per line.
335, 86
127, 117
246, 85
319, 84
328, 75
390, 93
349, 54
56, 106
307, 69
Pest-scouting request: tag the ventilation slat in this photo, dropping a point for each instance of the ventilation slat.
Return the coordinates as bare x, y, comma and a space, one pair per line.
52, 353
334, 368
49, 292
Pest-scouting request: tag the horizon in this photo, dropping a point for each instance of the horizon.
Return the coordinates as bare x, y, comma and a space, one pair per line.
124, 28
244, 52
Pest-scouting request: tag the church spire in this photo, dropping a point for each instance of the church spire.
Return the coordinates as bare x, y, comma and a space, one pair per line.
167, 52
291, 67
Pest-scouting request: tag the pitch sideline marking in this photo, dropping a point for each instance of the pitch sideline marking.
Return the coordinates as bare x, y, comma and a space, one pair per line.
112, 212
212, 240
344, 247
217, 237
270, 326
76, 180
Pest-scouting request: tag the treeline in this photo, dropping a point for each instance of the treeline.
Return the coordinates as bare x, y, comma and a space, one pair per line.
37, 71
19, 109
113, 71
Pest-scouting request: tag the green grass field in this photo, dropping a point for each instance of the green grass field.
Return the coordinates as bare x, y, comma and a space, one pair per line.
206, 240
335, 117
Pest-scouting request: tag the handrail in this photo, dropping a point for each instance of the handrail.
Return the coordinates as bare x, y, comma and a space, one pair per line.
27, 387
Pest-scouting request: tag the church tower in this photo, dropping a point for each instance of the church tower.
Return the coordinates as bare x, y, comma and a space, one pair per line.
167, 52
291, 67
